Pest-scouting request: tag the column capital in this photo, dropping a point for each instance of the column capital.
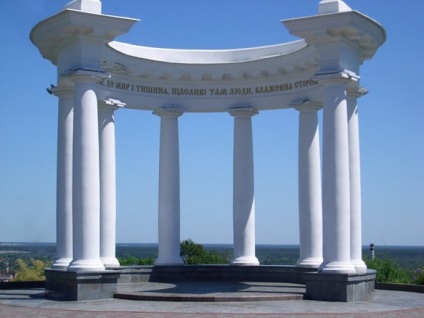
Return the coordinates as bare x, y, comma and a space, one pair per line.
306, 105
357, 92
60, 91
110, 105
242, 111
82, 74
169, 111
342, 76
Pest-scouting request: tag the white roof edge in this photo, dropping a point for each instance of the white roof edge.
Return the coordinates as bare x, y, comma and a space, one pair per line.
187, 56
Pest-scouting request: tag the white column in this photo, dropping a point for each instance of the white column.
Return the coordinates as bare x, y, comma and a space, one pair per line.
310, 203
355, 182
169, 188
243, 188
86, 178
107, 183
335, 189
64, 178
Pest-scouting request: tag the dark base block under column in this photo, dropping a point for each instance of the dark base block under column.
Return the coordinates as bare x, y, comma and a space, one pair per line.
63, 285
340, 287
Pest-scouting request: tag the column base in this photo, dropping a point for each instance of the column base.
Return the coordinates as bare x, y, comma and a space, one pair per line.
309, 262
110, 262
61, 263
245, 261
86, 266
337, 268
359, 265
165, 261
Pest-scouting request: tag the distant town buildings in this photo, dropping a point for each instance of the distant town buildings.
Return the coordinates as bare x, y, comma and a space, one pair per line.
6, 276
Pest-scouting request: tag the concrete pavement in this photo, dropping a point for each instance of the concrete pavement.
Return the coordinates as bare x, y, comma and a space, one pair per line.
31, 303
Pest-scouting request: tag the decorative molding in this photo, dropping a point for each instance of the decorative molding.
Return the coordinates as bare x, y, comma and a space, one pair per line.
117, 68
85, 74
243, 111
306, 105
341, 75
110, 104
357, 92
171, 111
60, 91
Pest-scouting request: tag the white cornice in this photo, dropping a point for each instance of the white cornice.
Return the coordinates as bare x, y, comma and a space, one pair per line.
353, 26
68, 25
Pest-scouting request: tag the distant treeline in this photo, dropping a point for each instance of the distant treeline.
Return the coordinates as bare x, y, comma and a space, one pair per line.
409, 258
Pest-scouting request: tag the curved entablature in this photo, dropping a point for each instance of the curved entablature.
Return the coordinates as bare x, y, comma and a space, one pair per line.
211, 65
182, 56
336, 41
209, 80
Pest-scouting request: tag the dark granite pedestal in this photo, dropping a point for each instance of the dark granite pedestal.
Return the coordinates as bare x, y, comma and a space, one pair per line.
340, 287
63, 285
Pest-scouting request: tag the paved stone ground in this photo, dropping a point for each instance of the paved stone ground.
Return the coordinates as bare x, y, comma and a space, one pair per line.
31, 303
212, 291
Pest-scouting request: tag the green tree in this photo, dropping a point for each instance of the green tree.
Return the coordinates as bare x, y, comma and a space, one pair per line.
33, 272
193, 253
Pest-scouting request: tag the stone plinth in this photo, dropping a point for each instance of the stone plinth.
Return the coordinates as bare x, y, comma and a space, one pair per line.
63, 285
340, 287
137, 274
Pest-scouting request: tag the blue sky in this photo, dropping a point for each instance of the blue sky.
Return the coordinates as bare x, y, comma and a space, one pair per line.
391, 129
